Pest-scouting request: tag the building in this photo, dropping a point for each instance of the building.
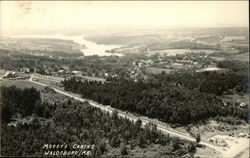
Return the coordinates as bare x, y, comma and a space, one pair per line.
218, 141
242, 134
242, 104
60, 71
75, 72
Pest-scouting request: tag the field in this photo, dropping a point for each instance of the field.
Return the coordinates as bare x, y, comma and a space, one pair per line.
230, 133
155, 70
181, 51
41, 45
237, 98
218, 58
242, 57
2, 72
243, 154
20, 84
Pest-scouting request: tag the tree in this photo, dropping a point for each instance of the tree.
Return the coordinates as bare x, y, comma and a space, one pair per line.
198, 138
5, 113
114, 141
191, 148
175, 144
101, 148
138, 123
141, 140
31, 70
123, 149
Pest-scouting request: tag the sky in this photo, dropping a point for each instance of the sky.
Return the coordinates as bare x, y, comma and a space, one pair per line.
25, 15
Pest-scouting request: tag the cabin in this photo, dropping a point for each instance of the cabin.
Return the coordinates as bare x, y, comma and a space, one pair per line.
242, 134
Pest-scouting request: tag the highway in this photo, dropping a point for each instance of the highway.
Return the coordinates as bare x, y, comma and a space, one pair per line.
109, 109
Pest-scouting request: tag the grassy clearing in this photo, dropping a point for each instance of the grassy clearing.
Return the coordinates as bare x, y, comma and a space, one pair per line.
155, 70
2, 72
218, 58
242, 57
20, 84
243, 154
181, 51
237, 98
46, 96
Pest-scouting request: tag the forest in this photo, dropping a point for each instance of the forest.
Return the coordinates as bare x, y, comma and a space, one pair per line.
167, 101
21, 101
230, 82
73, 122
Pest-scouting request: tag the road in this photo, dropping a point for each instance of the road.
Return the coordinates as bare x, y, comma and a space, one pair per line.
162, 128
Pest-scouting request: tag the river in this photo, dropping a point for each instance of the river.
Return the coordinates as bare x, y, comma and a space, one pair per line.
92, 47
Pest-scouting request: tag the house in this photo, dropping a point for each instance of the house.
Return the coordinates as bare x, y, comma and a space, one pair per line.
115, 75
6, 74
21, 78
177, 65
242, 104
211, 140
184, 61
75, 72
140, 64
35, 79
218, 141
9, 74
221, 142
60, 71
26, 70
242, 134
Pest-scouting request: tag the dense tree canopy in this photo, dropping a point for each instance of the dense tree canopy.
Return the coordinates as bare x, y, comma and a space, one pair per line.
163, 100
72, 122
15, 100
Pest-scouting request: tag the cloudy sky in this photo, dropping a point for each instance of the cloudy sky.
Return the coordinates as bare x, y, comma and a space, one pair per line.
25, 15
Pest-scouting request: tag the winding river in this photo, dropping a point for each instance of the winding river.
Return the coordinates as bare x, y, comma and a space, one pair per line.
92, 47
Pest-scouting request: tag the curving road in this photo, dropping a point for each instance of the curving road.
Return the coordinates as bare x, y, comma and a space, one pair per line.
109, 109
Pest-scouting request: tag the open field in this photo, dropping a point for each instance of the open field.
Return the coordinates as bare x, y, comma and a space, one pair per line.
155, 70
207, 153
235, 147
218, 58
221, 131
2, 72
41, 46
237, 98
241, 57
181, 51
243, 154
20, 84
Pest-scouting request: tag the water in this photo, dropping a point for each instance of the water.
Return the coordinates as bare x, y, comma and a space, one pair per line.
92, 47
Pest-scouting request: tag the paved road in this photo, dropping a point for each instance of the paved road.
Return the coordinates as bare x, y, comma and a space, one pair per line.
162, 128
